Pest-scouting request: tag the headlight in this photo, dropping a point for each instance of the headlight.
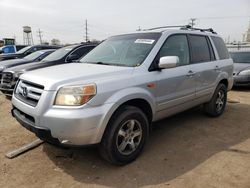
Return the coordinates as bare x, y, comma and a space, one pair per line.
18, 74
75, 95
245, 73
1, 68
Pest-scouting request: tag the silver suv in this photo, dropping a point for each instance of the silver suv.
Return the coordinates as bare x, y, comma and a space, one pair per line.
112, 95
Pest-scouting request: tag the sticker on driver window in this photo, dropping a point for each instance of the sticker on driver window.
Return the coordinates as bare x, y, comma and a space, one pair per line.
145, 41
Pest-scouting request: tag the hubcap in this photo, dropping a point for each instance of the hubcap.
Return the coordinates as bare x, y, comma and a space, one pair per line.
129, 137
220, 101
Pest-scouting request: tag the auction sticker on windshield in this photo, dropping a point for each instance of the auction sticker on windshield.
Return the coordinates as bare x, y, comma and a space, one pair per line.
145, 41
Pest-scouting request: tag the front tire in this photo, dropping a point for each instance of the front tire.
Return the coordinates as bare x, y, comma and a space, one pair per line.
125, 136
216, 106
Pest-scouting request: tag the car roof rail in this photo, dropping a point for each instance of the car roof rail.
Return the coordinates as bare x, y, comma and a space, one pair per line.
189, 27
183, 27
166, 27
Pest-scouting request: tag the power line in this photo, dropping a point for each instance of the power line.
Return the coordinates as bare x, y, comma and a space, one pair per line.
39, 34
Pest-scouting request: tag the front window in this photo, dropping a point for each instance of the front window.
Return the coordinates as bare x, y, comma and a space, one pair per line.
125, 50
58, 54
240, 57
34, 56
24, 50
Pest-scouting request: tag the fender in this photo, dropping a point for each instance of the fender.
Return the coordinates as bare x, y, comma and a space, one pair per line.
119, 98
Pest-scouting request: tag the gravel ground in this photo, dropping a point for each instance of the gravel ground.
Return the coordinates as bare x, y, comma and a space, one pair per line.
186, 150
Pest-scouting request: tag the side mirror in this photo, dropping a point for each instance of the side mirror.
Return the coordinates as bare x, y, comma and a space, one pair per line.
168, 62
72, 57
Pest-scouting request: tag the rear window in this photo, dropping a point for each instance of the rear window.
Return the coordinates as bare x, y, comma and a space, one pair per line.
240, 57
220, 47
199, 49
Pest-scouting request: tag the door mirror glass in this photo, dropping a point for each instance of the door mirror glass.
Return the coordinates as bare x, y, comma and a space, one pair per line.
168, 62
72, 57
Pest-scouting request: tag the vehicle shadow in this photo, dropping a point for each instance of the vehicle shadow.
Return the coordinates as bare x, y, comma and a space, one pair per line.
242, 89
177, 145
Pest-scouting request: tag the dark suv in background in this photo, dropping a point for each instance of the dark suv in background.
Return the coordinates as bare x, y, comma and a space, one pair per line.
26, 51
67, 54
34, 57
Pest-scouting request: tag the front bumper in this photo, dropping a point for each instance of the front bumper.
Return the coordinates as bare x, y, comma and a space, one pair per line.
41, 132
241, 80
67, 126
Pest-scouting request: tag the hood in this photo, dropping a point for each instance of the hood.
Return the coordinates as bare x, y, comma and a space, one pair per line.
29, 67
13, 62
9, 56
74, 73
238, 67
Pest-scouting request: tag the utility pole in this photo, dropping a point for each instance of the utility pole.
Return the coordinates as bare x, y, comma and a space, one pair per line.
139, 29
86, 31
14, 37
192, 22
39, 34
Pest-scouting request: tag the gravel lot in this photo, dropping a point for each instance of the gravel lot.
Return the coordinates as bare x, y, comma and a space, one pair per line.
186, 150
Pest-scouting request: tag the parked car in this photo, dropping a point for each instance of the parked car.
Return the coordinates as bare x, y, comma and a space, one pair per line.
11, 49
241, 72
116, 91
26, 51
60, 56
6, 79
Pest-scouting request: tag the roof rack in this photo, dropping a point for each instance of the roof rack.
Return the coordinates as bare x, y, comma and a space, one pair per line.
165, 27
183, 27
189, 27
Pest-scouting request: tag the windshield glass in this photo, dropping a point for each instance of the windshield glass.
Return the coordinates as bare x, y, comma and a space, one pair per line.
125, 50
240, 57
34, 56
24, 50
58, 54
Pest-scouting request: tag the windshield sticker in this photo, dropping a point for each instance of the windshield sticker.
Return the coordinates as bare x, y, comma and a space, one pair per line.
145, 41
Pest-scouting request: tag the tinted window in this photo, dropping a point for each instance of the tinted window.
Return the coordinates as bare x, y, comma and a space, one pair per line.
240, 57
220, 47
34, 56
176, 45
82, 51
199, 48
24, 50
59, 54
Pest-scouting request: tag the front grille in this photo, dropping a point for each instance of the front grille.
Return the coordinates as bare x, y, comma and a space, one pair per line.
7, 78
28, 92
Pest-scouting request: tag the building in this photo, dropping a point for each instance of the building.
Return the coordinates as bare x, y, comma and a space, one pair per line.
247, 35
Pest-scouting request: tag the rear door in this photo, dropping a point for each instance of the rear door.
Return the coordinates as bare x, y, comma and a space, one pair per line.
204, 63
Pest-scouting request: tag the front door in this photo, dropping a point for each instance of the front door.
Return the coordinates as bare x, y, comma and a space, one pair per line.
175, 86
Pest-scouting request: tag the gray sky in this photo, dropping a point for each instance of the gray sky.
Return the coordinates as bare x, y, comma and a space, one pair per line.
64, 19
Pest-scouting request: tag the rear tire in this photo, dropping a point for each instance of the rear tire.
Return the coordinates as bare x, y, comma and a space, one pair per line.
125, 136
216, 106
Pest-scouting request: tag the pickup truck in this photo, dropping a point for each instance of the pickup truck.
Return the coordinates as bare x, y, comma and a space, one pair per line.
26, 51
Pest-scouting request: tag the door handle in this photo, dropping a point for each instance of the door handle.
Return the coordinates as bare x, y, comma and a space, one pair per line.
190, 73
217, 68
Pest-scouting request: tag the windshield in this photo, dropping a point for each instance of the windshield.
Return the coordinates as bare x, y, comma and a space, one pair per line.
34, 56
240, 57
23, 50
125, 50
58, 54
